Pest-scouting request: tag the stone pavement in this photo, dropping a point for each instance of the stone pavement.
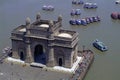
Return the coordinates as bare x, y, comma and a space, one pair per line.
10, 71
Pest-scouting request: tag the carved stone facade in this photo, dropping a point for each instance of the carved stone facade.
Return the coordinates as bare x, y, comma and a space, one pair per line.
43, 41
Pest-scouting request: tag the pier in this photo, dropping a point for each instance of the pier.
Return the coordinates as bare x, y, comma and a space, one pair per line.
84, 65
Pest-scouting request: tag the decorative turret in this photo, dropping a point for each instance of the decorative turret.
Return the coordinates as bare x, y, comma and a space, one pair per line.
28, 25
51, 32
60, 18
51, 26
38, 16
28, 21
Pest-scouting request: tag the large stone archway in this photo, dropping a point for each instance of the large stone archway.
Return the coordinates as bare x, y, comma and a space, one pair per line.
39, 54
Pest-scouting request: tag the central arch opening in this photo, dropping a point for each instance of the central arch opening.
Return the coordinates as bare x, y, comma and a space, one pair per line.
39, 55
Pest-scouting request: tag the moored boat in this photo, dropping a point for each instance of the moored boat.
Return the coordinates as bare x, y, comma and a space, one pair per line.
75, 12
100, 45
117, 2
90, 5
114, 15
72, 12
80, 2
78, 12
77, 2
78, 22
83, 22
72, 22
48, 8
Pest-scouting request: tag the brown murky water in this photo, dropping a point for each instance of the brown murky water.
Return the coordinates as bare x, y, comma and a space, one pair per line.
106, 64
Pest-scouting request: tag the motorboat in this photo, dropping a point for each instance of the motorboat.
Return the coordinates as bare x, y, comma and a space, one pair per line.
75, 12
78, 22
72, 22
78, 12
80, 2
100, 45
74, 2
83, 22
90, 5
115, 15
77, 2
87, 20
117, 2
72, 12
48, 8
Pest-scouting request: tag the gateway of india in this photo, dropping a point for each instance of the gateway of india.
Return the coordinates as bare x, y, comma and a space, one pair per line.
43, 41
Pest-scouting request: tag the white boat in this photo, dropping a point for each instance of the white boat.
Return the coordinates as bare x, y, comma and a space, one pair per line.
100, 45
48, 8
117, 2
90, 5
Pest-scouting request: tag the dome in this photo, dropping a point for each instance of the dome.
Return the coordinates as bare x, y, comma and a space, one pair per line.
28, 20
65, 35
44, 25
23, 30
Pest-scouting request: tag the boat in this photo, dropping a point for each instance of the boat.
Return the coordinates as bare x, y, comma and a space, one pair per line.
115, 15
100, 45
74, 2
72, 22
87, 20
48, 8
90, 19
98, 18
90, 5
83, 22
78, 22
119, 16
72, 12
117, 2
80, 2
95, 19
75, 12
77, 2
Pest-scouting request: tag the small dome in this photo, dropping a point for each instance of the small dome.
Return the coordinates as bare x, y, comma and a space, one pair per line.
60, 18
44, 25
28, 20
38, 15
51, 22
23, 30
65, 35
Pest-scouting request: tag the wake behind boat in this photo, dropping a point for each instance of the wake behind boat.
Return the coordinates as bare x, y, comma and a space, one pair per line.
100, 45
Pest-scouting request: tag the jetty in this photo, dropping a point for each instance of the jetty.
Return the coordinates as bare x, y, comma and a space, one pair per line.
83, 68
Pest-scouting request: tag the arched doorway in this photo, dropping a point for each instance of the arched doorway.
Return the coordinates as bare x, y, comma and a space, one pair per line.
39, 54
22, 57
60, 62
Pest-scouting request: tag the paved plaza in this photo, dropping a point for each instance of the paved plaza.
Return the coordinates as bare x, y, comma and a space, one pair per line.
10, 71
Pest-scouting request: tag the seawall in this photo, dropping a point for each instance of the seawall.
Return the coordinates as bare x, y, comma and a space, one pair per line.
84, 65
